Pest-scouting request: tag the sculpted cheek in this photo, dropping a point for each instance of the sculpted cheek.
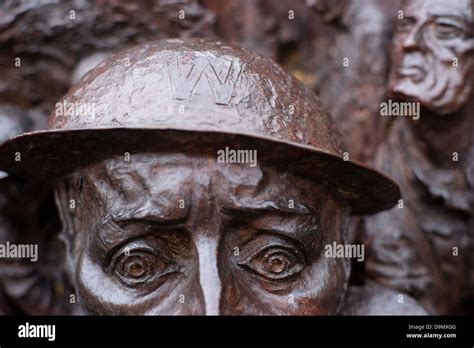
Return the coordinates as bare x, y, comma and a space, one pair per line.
317, 292
326, 283
100, 293
97, 291
320, 288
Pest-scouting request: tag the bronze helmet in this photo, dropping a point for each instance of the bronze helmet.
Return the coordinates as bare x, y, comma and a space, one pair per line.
196, 96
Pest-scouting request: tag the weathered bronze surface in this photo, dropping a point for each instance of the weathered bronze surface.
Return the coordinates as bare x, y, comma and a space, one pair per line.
153, 223
45, 46
193, 92
173, 231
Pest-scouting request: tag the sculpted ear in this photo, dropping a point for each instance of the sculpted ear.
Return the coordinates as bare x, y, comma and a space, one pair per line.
63, 197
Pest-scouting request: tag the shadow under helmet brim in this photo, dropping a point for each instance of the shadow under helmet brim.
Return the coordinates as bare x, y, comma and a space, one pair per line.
49, 155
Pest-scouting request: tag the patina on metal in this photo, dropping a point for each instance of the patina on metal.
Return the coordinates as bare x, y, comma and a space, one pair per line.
155, 224
197, 93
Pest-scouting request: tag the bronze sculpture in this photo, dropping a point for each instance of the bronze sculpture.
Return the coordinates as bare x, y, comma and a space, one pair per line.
424, 248
154, 224
44, 48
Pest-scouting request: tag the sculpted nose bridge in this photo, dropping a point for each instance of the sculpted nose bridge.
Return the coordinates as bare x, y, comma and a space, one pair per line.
209, 279
414, 40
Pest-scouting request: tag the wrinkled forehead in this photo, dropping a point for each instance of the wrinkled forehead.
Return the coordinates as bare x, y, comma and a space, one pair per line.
439, 8
156, 184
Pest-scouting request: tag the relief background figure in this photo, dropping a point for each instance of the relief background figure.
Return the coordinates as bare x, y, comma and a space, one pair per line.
425, 248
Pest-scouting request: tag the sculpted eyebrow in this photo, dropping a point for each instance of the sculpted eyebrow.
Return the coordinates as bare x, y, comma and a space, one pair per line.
455, 19
154, 221
154, 216
113, 232
262, 207
295, 223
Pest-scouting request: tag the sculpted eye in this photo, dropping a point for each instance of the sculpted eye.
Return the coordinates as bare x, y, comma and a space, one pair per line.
275, 263
447, 31
135, 267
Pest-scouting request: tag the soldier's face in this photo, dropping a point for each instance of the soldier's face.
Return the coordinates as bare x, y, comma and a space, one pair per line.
432, 60
175, 234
